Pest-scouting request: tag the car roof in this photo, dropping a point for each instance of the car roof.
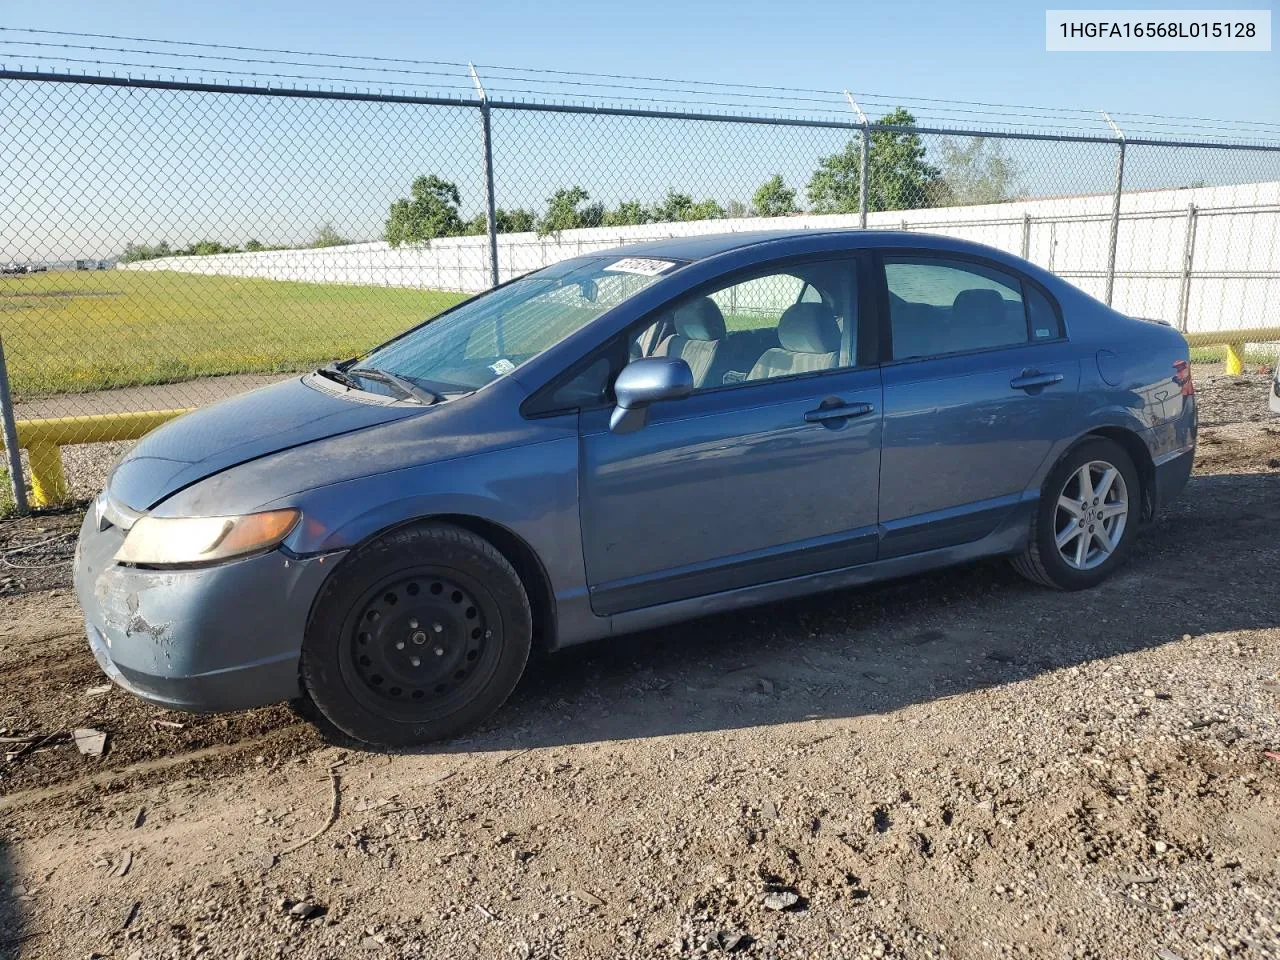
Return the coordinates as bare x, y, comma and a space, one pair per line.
703, 246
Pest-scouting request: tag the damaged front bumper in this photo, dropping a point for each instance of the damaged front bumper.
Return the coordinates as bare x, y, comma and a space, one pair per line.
208, 639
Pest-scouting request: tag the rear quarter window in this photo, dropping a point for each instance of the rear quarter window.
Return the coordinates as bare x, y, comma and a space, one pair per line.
1042, 317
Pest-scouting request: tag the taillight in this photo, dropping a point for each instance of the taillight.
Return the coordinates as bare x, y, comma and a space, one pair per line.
1182, 377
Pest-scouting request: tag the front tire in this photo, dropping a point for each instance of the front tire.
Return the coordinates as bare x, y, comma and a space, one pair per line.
418, 636
1087, 518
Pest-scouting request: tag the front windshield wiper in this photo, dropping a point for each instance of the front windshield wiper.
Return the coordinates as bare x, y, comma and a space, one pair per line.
338, 375
406, 386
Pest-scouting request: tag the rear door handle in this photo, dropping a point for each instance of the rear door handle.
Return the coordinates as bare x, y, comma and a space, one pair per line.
1034, 380
838, 411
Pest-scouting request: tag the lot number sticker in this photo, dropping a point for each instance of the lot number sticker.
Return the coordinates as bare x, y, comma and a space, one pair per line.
640, 265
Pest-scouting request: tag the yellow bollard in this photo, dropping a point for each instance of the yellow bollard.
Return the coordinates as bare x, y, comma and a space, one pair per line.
43, 440
48, 481
1235, 359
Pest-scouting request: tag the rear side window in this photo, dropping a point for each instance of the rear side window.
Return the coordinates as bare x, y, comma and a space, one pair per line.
939, 306
1041, 315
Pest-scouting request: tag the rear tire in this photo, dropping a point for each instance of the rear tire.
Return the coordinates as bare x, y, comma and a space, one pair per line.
1087, 518
417, 636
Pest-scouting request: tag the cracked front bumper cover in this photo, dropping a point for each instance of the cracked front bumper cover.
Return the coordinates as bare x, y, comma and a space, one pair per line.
209, 639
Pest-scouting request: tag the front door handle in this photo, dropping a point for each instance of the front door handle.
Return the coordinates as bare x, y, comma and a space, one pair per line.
1034, 380
838, 411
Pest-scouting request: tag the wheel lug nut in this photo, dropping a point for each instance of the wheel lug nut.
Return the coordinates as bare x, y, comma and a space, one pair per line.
413, 624
439, 651
437, 627
415, 661
400, 645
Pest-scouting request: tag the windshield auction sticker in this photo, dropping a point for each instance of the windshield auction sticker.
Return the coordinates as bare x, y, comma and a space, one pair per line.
1157, 30
640, 265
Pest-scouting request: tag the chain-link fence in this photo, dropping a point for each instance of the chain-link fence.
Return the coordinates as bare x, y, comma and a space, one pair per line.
167, 244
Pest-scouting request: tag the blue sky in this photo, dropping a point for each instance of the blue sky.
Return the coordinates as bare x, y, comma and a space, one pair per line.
991, 51
82, 172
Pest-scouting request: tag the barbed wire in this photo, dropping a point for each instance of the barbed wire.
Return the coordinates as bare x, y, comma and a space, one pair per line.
590, 88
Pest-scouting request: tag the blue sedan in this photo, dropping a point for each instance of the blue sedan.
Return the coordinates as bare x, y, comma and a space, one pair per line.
617, 442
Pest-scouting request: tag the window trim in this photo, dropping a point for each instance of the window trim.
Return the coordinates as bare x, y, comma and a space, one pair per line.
885, 321
865, 350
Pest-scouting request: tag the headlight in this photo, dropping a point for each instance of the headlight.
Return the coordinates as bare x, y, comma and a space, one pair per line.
162, 541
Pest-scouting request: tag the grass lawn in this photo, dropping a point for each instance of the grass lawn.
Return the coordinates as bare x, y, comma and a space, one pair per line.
1258, 356
71, 332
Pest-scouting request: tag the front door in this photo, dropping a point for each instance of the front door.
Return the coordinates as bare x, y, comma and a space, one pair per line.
769, 470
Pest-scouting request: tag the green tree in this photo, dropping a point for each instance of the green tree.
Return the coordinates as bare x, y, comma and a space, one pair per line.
898, 178
518, 220
774, 198
834, 186
327, 236
135, 252
676, 207
203, 248
569, 210
975, 170
629, 213
507, 221
430, 211
253, 246
735, 209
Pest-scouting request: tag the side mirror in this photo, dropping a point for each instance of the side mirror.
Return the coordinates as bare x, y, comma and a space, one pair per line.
647, 381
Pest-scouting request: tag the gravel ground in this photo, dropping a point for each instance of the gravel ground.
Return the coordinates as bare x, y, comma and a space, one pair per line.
960, 765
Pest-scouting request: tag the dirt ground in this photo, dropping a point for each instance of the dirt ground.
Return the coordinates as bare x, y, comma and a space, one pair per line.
961, 765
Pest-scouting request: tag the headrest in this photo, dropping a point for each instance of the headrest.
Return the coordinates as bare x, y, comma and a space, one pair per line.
699, 319
809, 328
978, 303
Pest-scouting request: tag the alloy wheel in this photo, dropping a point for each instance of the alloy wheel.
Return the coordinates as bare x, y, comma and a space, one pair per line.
1091, 514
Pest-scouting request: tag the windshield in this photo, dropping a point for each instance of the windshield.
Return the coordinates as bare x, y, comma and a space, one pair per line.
488, 337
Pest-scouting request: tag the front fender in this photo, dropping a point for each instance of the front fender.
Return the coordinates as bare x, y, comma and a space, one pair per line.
529, 491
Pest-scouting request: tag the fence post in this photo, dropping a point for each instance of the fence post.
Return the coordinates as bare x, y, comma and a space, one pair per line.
486, 144
864, 162
1188, 256
862, 180
1026, 236
1115, 210
11, 439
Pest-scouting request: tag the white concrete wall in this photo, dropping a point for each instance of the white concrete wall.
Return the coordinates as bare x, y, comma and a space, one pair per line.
1237, 229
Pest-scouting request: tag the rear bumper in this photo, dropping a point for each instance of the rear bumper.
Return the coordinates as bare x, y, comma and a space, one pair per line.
203, 640
1171, 476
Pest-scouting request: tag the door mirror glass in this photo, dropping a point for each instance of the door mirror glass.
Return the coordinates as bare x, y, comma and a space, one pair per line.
644, 382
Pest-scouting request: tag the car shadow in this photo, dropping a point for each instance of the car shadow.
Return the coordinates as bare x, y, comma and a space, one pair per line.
875, 649
14, 930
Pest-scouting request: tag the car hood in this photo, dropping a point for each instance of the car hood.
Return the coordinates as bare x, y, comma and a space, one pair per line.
235, 431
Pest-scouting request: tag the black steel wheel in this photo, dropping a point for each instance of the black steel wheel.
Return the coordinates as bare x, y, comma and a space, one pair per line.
417, 636
418, 643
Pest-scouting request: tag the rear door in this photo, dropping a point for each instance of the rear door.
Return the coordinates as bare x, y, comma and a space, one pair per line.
977, 390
